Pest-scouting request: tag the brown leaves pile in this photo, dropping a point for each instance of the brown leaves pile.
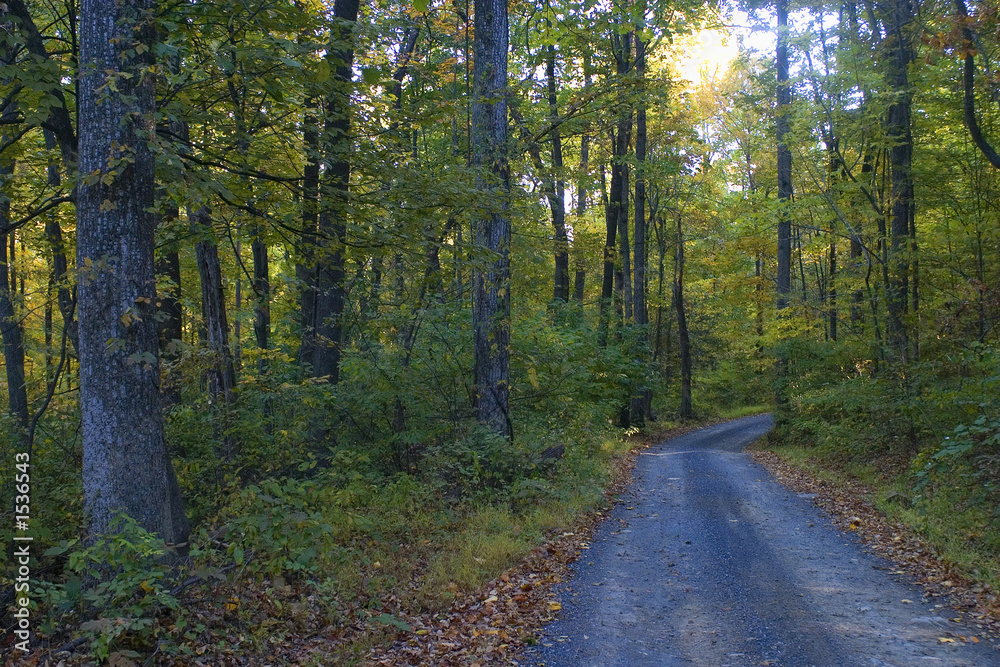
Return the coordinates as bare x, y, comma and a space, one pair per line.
848, 504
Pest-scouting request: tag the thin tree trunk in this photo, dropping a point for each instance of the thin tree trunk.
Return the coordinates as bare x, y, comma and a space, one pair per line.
305, 269
222, 375
10, 327
583, 182
640, 312
683, 340
169, 321
784, 277
65, 295
611, 225
557, 198
491, 290
126, 468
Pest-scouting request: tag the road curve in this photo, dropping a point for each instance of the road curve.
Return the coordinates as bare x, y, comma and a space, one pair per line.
707, 561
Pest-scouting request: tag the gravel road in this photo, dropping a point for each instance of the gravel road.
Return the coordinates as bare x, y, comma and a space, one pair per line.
706, 560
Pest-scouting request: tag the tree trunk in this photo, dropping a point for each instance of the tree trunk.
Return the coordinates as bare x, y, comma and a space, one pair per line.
579, 279
331, 296
684, 342
898, 58
611, 225
491, 289
222, 379
640, 313
65, 295
784, 277
13, 341
305, 268
126, 468
557, 198
169, 318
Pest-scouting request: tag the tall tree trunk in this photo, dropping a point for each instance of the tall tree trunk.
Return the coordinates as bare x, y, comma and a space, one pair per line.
13, 340
261, 291
898, 58
784, 277
169, 325
557, 199
126, 468
305, 268
222, 374
65, 294
331, 295
641, 314
832, 310
491, 289
610, 245
683, 340
583, 182
641, 407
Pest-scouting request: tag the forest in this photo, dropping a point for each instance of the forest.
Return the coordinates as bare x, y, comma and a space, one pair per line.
317, 315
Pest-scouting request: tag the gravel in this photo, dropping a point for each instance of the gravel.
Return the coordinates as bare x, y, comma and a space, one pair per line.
706, 560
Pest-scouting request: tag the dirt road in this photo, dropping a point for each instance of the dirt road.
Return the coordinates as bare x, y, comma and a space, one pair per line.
707, 561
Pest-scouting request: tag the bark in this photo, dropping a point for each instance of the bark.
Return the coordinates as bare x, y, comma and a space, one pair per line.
65, 294
10, 327
170, 326
641, 314
305, 269
607, 285
332, 223
215, 324
832, 311
898, 57
169, 318
557, 197
491, 279
683, 340
784, 276
261, 290
126, 468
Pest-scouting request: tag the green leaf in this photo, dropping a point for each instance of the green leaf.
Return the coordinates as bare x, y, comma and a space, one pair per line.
371, 75
389, 619
421, 5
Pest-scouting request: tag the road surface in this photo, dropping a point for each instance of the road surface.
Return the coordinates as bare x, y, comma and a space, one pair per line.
707, 561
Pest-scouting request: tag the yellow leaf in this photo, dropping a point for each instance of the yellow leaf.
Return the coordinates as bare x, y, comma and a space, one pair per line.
146, 587
554, 606
946, 640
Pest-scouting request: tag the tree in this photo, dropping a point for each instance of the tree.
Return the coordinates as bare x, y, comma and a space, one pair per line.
126, 468
491, 279
332, 221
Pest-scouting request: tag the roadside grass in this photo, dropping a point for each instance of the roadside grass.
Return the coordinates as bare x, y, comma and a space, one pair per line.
744, 411
481, 539
951, 519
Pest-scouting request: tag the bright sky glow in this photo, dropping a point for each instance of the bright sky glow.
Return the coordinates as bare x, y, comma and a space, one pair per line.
704, 55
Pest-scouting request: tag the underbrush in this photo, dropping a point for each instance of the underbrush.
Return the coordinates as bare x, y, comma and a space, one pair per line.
342, 510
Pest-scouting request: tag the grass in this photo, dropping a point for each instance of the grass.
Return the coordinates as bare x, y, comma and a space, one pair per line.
745, 411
